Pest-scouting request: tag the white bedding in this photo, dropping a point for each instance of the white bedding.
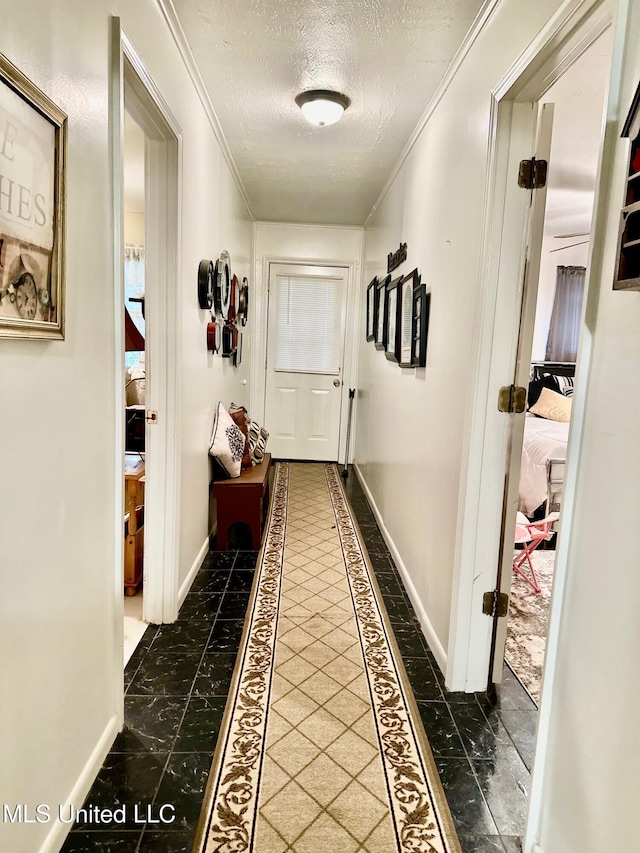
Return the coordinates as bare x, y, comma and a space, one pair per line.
543, 439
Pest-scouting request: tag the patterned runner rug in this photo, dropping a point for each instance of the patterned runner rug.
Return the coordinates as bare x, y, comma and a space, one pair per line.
321, 749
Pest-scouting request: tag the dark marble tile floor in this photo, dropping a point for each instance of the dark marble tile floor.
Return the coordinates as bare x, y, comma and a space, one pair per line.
483, 752
176, 685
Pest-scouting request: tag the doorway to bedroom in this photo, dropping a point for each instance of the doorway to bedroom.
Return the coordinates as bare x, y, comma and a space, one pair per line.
134, 380
146, 151
571, 116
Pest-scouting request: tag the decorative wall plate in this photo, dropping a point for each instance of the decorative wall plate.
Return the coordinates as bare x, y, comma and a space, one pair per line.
214, 335
243, 303
229, 340
222, 287
205, 283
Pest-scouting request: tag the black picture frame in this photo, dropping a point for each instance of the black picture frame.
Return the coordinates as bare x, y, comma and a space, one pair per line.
380, 332
392, 305
371, 309
421, 311
406, 318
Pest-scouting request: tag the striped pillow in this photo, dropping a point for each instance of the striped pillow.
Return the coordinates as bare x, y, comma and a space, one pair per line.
257, 439
565, 383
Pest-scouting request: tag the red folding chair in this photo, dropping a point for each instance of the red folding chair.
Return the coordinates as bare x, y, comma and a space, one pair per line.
530, 534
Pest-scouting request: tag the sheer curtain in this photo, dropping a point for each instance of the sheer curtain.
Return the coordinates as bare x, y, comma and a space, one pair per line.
134, 286
564, 329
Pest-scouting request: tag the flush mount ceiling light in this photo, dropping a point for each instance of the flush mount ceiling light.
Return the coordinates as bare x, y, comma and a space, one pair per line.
322, 107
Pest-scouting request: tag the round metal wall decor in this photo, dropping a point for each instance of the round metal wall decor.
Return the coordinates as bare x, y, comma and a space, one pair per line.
214, 335
229, 340
235, 299
222, 288
243, 302
205, 283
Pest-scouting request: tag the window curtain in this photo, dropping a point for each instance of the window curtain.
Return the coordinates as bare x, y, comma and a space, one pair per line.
134, 287
564, 329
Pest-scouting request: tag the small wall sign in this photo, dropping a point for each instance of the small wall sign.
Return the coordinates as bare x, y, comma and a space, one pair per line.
394, 259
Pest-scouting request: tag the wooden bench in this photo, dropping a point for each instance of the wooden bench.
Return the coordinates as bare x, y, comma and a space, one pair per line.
243, 499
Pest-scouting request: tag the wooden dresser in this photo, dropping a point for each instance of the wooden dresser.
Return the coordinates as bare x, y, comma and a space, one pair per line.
133, 521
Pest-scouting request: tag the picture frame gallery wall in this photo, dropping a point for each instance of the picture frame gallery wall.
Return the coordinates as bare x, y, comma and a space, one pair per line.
397, 320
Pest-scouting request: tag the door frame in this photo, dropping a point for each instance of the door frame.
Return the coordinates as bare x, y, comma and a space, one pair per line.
163, 177
352, 315
513, 114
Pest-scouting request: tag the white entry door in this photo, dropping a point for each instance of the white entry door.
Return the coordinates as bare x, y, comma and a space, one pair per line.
305, 350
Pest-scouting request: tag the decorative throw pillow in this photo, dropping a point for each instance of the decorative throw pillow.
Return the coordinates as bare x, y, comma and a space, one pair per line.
536, 386
257, 439
565, 383
227, 443
240, 418
552, 406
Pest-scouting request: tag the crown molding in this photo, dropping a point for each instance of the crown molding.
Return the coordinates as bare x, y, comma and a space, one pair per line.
478, 25
171, 17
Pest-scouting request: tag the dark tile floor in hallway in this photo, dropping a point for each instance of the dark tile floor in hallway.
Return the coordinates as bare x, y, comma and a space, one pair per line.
176, 685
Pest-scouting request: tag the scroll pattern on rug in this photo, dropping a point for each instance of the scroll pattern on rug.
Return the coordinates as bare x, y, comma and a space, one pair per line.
417, 822
232, 817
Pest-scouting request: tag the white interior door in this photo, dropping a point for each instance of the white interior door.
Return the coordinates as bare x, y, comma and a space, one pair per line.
521, 378
305, 352
162, 320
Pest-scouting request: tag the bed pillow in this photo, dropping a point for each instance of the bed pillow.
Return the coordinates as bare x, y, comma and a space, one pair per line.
536, 386
552, 406
241, 419
227, 443
257, 439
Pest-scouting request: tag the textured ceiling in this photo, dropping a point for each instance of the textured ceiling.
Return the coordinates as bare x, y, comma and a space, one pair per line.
255, 56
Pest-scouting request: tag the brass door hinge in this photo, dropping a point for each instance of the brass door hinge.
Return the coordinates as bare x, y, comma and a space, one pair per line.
152, 416
512, 399
532, 174
495, 603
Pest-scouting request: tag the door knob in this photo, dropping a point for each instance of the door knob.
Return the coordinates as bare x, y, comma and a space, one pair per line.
337, 383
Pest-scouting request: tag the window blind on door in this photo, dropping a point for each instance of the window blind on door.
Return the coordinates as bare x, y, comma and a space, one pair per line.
308, 324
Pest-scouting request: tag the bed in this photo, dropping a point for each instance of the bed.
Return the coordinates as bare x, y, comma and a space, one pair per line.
544, 447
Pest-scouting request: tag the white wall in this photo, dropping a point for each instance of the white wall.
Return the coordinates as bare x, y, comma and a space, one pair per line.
412, 451
134, 229
60, 684
587, 775
315, 243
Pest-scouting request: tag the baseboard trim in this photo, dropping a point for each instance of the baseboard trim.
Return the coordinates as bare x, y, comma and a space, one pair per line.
59, 830
193, 571
425, 623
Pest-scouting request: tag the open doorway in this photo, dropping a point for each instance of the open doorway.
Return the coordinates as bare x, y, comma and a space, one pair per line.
147, 304
549, 347
134, 380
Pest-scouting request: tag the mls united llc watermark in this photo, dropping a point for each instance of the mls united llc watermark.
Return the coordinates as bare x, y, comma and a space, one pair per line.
132, 813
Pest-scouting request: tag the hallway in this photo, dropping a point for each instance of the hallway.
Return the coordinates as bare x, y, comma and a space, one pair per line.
176, 690
427, 196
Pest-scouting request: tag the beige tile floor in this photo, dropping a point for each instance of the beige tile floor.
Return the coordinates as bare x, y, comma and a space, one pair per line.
325, 786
